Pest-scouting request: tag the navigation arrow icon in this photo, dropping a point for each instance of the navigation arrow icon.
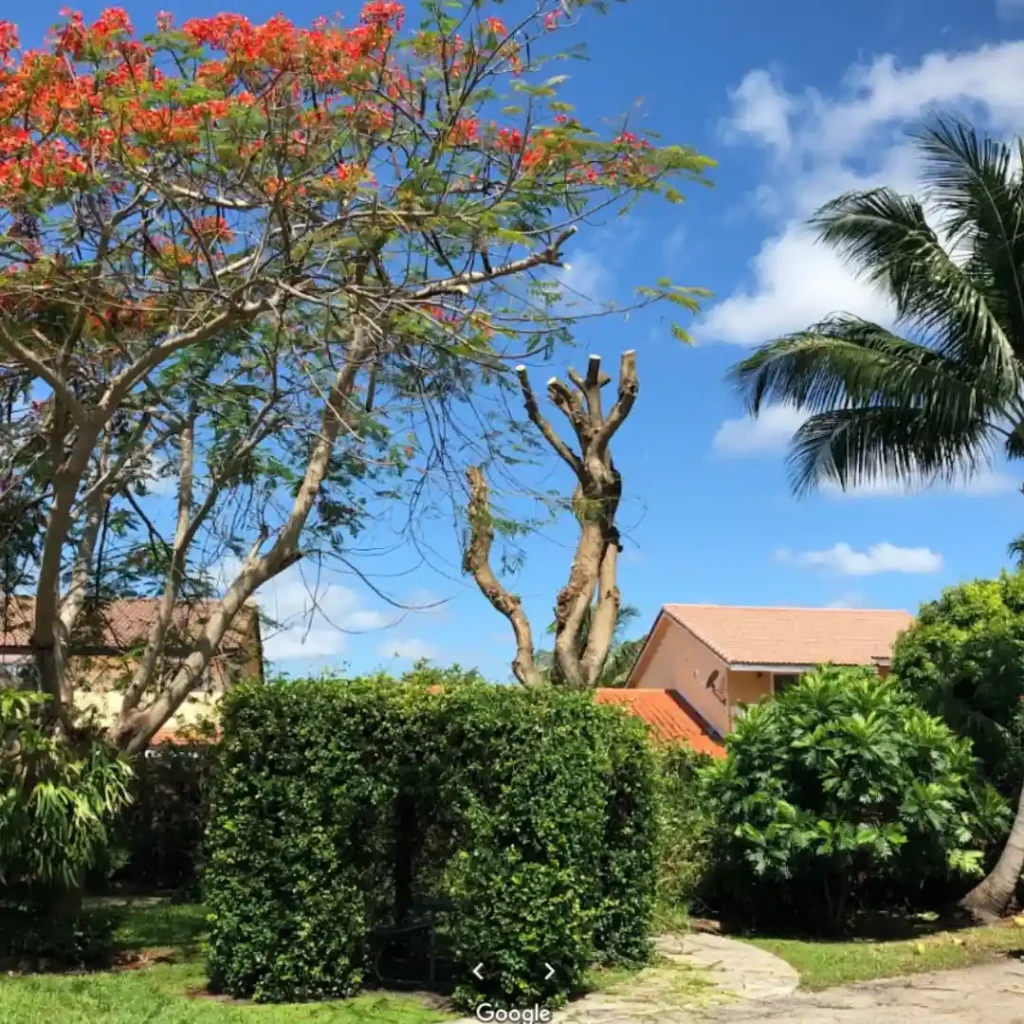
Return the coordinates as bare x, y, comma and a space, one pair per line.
551, 971
476, 971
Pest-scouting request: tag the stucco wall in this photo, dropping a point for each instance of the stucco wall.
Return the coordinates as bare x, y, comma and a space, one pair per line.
748, 687
99, 680
675, 659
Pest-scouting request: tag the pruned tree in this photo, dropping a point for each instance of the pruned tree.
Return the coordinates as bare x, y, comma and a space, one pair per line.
234, 258
590, 597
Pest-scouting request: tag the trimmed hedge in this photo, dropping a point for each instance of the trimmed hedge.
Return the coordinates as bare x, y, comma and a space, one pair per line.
339, 806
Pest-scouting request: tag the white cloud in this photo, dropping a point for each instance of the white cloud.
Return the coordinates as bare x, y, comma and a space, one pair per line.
797, 282
674, 244
770, 432
760, 109
879, 558
820, 146
309, 618
983, 483
408, 649
162, 478
587, 283
847, 599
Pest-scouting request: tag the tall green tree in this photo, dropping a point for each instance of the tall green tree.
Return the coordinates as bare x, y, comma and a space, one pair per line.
936, 396
964, 660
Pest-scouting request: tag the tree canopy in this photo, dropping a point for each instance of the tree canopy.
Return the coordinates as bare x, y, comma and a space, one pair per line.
262, 267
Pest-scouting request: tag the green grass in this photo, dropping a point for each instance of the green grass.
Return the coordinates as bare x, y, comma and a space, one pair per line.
172, 989
162, 924
824, 964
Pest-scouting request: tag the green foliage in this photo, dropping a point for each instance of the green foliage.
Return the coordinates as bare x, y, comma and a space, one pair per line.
842, 793
687, 828
56, 804
934, 398
341, 807
57, 801
964, 660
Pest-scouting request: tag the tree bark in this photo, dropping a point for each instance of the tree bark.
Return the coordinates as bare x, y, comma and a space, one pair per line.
476, 561
991, 897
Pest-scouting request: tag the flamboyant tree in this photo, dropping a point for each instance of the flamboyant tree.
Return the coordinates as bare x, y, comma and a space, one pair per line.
235, 257
587, 607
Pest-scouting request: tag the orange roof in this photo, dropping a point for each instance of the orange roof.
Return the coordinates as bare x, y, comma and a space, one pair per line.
793, 636
667, 715
122, 623
169, 734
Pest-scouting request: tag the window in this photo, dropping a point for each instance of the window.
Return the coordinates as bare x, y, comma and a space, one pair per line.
781, 682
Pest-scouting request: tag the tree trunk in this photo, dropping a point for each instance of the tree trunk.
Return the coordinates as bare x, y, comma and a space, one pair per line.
577, 663
990, 898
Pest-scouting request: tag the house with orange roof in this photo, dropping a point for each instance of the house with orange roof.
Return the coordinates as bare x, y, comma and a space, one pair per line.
107, 642
668, 717
716, 658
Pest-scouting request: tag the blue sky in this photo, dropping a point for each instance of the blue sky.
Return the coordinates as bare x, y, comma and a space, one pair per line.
798, 101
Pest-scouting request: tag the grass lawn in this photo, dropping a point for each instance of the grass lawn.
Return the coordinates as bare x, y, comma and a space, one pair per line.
168, 989
823, 964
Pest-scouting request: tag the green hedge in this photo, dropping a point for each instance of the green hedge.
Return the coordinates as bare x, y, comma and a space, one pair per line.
339, 805
687, 832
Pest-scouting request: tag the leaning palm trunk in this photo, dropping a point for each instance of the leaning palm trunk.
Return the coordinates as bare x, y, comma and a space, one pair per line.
991, 898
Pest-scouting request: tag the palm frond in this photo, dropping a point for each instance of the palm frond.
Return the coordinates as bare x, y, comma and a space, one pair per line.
846, 361
865, 445
979, 193
888, 239
1015, 549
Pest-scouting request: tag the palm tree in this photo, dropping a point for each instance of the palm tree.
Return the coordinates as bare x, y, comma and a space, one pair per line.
937, 396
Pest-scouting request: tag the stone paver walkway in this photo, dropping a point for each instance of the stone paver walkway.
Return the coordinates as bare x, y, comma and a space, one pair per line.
987, 994
703, 971
714, 980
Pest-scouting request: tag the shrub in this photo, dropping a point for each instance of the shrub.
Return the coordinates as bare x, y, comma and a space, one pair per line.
58, 797
339, 806
840, 794
687, 826
964, 660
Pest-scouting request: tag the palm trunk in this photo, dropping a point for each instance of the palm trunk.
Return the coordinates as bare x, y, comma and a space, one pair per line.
991, 897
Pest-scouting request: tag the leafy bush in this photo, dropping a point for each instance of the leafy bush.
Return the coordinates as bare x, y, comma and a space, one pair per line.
339, 807
964, 659
843, 793
57, 800
687, 825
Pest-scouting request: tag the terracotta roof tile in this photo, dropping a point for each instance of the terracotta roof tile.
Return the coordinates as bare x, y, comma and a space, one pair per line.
666, 714
793, 636
118, 625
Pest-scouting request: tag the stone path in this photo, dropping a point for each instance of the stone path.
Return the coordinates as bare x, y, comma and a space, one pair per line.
702, 972
988, 994
714, 980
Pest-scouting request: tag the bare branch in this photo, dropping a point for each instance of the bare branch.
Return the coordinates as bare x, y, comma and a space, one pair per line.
551, 255
541, 423
476, 561
629, 385
28, 358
